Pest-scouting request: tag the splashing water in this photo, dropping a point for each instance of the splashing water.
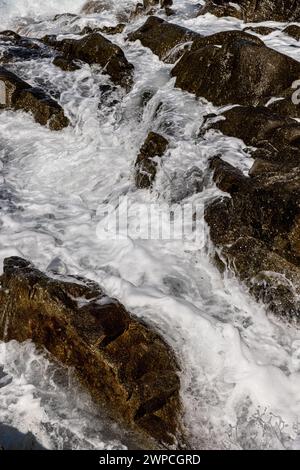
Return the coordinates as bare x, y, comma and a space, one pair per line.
240, 368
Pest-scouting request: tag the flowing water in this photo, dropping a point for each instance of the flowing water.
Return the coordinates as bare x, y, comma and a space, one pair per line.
240, 367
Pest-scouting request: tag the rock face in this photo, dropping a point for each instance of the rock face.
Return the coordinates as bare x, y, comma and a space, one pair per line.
19, 95
145, 167
96, 49
276, 137
232, 67
165, 39
124, 364
254, 10
257, 231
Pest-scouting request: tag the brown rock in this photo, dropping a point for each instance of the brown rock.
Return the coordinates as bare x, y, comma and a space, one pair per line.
231, 70
165, 39
145, 166
257, 231
262, 30
293, 30
124, 364
254, 10
21, 95
96, 49
65, 64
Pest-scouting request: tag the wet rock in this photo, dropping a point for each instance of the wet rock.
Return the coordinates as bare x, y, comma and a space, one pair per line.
257, 231
124, 363
19, 95
254, 10
221, 8
12, 439
225, 37
66, 16
293, 30
97, 6
235, 68
96, 49
286, 106
65, 64
19, 48
256, 125
146, 166
262, 30
119, 28
165, 39
276, 137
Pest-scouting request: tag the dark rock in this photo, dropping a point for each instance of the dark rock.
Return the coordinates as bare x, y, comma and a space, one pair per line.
262, 30
119, 28
229, 69
12, 439
21, 48
258, 124
228, 178
277, 137
286, 106
146, 166
96, 49
258, 231
65, 64
19, 95
97, 6
67, 16
254, 10
225, 37
220, 8
125, 365
293, 30
167, 40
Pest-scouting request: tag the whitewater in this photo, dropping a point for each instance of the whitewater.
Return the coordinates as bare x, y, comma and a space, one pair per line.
240, 367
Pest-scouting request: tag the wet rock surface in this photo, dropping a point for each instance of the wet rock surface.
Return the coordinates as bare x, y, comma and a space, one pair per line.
254, 10
123, 362
19, 95
257, 229
95, 49
235, 67
165, 39
146, 165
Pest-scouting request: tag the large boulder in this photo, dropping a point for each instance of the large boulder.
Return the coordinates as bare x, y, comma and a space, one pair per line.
19, 95
96, 49
257, 232
231, 68
254, 10
145, 167
125, 364
167, 40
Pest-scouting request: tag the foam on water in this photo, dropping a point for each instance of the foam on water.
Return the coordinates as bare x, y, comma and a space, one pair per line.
240, 368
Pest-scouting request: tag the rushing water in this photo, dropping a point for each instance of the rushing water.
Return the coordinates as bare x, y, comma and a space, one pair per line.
240, 368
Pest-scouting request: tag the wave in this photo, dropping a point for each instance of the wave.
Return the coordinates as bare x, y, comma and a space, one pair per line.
12, 9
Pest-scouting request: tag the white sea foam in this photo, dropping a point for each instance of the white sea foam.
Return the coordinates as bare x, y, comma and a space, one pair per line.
240, 369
